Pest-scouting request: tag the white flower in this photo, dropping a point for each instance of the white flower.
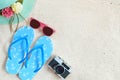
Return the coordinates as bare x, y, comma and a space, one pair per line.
17, 7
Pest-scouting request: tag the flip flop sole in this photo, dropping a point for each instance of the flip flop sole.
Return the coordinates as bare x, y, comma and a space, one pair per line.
36, 58
17, 49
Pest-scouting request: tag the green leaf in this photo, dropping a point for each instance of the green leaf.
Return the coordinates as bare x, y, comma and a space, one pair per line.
0, 12
21, 1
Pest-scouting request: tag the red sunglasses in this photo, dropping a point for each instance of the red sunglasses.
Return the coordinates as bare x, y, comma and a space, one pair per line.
45, 29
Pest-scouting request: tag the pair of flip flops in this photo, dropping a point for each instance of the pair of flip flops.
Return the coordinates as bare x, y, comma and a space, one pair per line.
24, 62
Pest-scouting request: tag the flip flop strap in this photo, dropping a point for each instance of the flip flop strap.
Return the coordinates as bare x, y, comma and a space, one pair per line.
14, 42
42, 52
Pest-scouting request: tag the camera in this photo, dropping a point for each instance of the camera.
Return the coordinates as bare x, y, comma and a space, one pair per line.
60, 67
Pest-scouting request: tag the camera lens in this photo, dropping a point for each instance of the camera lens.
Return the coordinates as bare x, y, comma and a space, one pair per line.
59, 69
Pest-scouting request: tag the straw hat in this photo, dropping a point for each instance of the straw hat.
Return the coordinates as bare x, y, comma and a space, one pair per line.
14, 9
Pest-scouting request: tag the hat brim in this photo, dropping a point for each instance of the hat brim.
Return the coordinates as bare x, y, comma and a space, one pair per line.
27, 7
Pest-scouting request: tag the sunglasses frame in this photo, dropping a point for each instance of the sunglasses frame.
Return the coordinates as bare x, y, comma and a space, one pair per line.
42, 25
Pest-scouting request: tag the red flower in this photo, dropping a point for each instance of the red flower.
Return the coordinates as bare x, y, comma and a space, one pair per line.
7, 12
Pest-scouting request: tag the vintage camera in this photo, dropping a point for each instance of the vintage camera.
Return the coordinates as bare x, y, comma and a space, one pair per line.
60, 67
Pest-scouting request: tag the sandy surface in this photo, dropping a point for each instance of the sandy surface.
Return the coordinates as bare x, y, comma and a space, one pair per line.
87, 37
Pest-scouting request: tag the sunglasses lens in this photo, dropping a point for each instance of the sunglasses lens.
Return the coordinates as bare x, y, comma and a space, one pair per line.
34, 23
47, 31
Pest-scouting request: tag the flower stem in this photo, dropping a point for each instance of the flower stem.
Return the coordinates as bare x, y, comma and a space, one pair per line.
10, 23
23, 18
17, 23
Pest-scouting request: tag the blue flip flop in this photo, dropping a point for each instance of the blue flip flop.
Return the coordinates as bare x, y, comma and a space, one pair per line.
18, 49
38, 55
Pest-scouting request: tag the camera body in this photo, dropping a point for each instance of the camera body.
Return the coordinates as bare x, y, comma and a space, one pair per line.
60, 67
